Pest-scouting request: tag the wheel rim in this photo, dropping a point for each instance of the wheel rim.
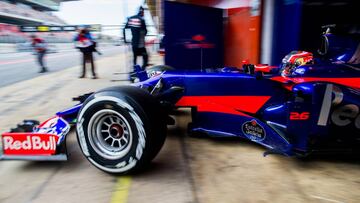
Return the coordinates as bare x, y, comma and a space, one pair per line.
110, 134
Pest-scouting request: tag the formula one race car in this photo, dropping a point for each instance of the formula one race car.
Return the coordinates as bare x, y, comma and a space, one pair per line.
302, 106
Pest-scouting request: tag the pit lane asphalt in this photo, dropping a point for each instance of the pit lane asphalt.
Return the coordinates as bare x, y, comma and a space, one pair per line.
186, 170
16, 67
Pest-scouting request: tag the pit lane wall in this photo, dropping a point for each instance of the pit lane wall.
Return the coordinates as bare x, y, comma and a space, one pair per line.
242, 35
212, 33
256, 31
193, 36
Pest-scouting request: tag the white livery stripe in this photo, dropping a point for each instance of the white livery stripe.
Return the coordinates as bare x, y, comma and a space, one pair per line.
326, 105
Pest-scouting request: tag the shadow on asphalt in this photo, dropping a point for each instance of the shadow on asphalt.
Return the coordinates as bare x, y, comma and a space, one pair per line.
346, 158
155, 167
44, 165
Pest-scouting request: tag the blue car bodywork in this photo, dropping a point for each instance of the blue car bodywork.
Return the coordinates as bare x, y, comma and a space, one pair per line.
289, 116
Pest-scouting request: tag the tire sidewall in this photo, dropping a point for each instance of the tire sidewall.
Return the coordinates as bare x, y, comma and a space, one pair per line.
133, 115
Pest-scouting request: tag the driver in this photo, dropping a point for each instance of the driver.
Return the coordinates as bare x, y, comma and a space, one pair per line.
295, 59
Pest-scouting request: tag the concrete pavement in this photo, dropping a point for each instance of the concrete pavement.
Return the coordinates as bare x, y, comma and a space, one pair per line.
187, 169
235, 171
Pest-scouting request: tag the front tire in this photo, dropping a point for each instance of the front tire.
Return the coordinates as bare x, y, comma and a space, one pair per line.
121, 129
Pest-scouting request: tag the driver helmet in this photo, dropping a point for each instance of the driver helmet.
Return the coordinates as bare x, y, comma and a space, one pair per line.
295, 59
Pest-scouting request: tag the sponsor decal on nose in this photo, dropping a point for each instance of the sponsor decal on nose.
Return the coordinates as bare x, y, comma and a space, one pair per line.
29, 144
253, 130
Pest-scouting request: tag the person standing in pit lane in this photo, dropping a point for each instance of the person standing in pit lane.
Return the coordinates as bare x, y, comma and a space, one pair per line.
138, 29
40, 48
85, 43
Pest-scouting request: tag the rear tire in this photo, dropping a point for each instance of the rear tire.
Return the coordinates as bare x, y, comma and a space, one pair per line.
121, 129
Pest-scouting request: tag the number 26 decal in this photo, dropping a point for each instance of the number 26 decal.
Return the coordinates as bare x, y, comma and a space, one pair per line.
299, 116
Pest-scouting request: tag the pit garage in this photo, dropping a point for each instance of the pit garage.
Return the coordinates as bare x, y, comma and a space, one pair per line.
195, 164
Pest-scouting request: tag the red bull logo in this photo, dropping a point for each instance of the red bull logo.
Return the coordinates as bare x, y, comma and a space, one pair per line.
29, 144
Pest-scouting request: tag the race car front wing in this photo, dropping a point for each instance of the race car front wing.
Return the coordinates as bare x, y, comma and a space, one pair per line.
45, 142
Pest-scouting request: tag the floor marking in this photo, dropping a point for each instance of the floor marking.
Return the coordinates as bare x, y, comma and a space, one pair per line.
186, 157
43, 185
121, 192
326, 199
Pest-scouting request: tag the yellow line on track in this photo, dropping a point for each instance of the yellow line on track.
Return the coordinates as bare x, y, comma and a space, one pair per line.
121, 191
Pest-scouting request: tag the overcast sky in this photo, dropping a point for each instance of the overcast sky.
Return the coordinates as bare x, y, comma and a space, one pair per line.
105, 12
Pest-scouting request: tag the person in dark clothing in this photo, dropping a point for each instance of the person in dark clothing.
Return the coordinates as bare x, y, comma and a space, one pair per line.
138, 30
40, 49
87, 46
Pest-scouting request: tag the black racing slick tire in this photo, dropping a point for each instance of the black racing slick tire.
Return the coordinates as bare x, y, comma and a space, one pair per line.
121, 129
